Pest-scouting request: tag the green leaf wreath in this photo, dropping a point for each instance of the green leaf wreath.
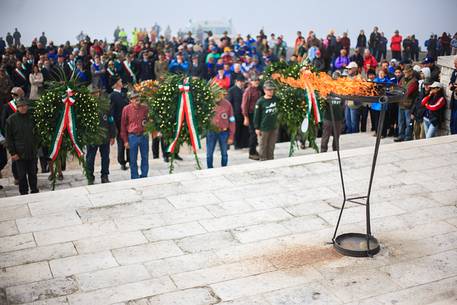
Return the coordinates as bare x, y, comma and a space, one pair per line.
292, 105
48, 111
163, 104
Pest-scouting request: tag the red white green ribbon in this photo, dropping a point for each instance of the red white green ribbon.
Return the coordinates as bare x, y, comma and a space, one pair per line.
19, 72
13, 105
129, 70
67, 122
312, 103
186, 113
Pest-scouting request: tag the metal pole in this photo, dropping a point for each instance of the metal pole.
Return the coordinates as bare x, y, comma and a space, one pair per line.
383, 101
337, 101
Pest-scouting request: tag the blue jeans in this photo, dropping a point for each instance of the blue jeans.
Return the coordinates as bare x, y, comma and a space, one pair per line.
430, 129
211, 139
141, 142
352, 117
404, 124
453, 124
90, 158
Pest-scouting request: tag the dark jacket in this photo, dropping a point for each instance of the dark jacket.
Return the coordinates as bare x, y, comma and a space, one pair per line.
410, 86
117, 103
435, 107
20, 136
235, 97
198, 71
146, 71
107, 123
418, 110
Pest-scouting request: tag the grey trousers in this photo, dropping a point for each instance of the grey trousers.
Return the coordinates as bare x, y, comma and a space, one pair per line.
267, 141
327, 131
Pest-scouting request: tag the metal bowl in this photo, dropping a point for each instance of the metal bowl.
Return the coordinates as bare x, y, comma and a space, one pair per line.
392, 94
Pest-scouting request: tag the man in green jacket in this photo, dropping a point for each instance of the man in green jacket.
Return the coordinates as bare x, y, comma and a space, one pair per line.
22, 145
266, 122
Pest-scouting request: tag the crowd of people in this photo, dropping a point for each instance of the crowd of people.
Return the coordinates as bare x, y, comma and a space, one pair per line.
245, 116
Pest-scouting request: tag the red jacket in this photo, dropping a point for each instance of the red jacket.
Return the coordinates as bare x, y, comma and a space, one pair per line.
370, 60
395, 43
250, 97
224, 82
223, 118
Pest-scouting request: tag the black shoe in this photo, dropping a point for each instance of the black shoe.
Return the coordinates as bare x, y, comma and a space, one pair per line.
178, 157
123, 167
1, 187
105, 179
155, 157
60, 177
35, 191
166, 159
254, 157
398, 140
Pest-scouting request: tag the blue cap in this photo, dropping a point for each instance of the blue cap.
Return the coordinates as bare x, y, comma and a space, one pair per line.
427, 60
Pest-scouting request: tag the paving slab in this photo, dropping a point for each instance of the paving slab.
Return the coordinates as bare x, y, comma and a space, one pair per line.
256, 233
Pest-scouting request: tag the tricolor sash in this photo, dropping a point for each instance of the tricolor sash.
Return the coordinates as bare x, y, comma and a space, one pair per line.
312, 105
126, 65
13, 105
67, 122
185, 112
19, 72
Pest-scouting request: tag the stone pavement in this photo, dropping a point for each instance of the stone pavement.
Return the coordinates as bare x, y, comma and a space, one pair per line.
74, 177
252, 234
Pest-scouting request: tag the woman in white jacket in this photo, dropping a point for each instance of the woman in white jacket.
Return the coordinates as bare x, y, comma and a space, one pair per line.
36, 82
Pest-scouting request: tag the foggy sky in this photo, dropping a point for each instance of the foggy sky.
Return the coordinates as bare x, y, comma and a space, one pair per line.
63, 20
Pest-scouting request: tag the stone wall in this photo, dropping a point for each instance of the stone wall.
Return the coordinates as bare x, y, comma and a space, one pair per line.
446, 63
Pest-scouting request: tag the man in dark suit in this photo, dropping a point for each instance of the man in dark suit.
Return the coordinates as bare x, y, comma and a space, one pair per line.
197, 68
117, 103
146, 68
20, 77
235, 97
61, 69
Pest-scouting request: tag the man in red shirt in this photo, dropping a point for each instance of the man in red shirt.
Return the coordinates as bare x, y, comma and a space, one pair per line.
250, 97
222, 131
395, 45
134, 118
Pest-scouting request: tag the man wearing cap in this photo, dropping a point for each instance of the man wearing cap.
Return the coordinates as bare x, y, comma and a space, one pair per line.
221, 78
435, 104
197, 68
250, 97
235, 97
265, 122
434, 70
133, 121
222, 131
22, 145
410, 85
117, 103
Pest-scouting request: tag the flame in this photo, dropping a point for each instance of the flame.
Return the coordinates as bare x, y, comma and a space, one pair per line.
325, 84
146, 85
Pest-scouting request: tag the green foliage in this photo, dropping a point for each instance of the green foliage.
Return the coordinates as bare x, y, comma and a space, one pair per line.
292, 106
163, 105
49, 108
